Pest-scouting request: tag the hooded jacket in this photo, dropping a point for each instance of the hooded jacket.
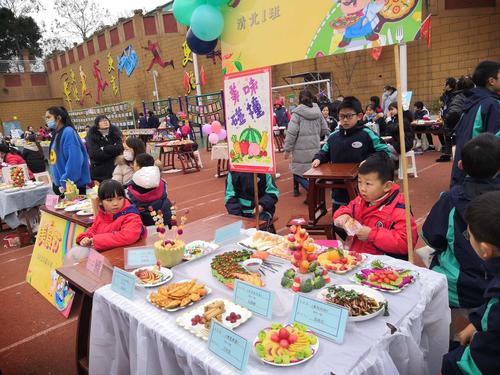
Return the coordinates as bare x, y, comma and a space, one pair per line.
387, 221
481, 115
146, 190
456, 106
305, 130
240, 193
444, 230
483, 353
351, 145
121, 229
123, 172
392, 129
103, 151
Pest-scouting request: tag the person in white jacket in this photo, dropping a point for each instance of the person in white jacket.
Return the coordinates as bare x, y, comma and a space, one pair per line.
124, 171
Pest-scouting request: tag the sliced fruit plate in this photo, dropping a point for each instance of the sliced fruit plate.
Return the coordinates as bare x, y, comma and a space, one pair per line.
152, 276
286, 345
198, 320
340, 261
385, 278
363, 303
176, 296
198, 249
262, 241
226, 267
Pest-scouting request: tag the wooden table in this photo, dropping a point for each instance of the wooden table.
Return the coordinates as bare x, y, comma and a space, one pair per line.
279, 137
428, 127
169, 151
329, 176
84, 221
84, 283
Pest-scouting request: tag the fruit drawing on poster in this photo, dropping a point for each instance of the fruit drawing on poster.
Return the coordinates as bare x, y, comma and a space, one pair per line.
247, 97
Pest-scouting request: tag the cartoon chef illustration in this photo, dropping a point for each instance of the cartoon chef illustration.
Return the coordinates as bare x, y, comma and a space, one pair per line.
361, 20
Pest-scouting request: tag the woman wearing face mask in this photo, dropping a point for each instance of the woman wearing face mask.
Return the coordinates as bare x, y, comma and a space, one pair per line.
68, 158
104, 144
124, 170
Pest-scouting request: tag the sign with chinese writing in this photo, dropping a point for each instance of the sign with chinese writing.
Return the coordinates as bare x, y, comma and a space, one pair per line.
258, 33
95, 262
325, 319
139, 257
228, 345
249, 114
257, 300
55, 238
123, 283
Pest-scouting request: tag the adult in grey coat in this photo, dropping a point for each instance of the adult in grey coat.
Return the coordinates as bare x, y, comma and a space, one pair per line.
303, 136
390, 96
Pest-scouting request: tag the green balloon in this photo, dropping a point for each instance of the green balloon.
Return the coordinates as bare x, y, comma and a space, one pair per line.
183, 10
217, 3
207, 22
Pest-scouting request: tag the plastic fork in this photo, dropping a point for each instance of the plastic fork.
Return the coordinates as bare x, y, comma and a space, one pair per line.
400, 35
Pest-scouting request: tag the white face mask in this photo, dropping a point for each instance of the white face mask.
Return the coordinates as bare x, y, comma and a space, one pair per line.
128, 155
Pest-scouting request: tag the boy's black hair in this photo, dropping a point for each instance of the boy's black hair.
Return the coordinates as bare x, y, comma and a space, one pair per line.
151, 113
306, 98
110, 189
144, 160
141, 114
452, 82
481, 156
482, 216
484, 71
378, 163
419, 105
371, 106
351, 102
99, 118
376, 100
465, 83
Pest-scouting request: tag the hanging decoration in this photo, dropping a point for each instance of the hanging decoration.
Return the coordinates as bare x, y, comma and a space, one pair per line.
83, 85
128, 60
375, 52
189, 82
199, 46
203, 77
154, 48
74, 88
101, 82
187, 54
425, 30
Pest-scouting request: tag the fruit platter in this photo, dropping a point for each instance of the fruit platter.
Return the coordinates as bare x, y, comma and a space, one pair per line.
286, 345
226, 268
18, 176
152, 276
293, 280
363, 303
198, 249
227, 313
180, 295
340, 261
385, 278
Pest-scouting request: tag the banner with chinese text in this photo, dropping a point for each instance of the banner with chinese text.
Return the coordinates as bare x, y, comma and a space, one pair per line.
249, 114
55, 238
268, 32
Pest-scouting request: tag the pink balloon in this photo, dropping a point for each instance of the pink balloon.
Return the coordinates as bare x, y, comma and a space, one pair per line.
222, 134
207, 129
213, 138
216, 126
185, 130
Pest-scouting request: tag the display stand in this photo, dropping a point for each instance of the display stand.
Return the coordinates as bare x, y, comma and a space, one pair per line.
120, 115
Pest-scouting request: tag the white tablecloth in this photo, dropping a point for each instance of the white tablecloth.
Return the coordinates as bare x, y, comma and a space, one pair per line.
11, 203
220, 152
134, 337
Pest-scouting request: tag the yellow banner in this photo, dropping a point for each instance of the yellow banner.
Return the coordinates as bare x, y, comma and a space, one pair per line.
261, 33
55, 238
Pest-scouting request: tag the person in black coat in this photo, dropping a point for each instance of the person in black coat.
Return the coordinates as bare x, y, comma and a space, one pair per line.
153, 121
104, 144
392, 128
33, 154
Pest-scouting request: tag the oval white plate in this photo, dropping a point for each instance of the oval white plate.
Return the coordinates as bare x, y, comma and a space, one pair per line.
360, 289
179, 308
85, 213
167, 273
414, 274
314, 347
78, 206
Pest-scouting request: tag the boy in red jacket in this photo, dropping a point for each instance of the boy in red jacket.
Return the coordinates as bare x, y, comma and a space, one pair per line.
376, 217
118, 222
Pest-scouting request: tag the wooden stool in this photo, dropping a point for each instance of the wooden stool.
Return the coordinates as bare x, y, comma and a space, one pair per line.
410, 169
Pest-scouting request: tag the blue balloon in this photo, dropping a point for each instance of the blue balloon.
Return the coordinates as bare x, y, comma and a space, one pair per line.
207, 22
198, 46
183, 10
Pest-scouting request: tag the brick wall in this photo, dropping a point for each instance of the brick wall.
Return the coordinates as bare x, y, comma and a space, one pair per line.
24, 86
28, 112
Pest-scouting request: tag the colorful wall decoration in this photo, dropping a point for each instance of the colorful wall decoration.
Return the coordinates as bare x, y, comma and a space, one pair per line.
111, 68
189, 82
101, 82
55, 238
154, 48
187, 54
258, 33
83, 85
128, 60
249, 113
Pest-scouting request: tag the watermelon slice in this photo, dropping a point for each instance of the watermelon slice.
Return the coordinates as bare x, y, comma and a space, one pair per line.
251, 135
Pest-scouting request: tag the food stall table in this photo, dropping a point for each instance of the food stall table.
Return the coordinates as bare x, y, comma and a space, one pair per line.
434, 128
84, 283
220, 153
171, 150
329, 176
154, 344
279, 137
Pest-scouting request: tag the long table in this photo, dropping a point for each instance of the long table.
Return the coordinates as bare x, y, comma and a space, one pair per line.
84, 283
134, 337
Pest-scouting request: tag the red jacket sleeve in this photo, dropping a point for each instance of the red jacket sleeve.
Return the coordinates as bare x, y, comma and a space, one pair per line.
394, 240
345, 210
129, 233
288, 115
89, 233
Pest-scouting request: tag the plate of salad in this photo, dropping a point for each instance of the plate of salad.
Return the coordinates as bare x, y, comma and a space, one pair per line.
385, 278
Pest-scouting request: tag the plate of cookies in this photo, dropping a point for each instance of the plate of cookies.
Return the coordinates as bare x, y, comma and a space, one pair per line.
176, 296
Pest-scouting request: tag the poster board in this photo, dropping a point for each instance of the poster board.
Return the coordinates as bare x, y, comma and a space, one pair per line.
8, 126
264, 33
249, 121
55, 238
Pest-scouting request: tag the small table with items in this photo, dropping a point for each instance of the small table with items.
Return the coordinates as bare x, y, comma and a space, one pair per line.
183, 150
279, 137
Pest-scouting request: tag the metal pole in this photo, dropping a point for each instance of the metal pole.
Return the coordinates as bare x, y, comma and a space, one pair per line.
329, 90
196, 75
301, 84
154, 72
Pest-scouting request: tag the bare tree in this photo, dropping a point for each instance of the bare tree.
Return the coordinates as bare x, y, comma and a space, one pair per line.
347, 63
80, 18
22, 7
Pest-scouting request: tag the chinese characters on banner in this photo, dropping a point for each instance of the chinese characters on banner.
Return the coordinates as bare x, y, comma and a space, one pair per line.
248, 102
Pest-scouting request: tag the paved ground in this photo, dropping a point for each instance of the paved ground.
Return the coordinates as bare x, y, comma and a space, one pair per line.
36, 339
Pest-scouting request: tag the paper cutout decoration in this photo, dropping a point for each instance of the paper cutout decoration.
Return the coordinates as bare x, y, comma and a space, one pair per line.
187, 54
203, 77
376, 52
154, 48
72, 82
83, 85
189, 82
101, 82
111, 63
425, 30
230, 64
66, 88
213, 55
128, 60
112, 80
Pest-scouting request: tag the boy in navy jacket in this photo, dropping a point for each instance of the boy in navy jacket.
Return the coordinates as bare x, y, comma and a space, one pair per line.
479, 352
352, 143
445, 226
